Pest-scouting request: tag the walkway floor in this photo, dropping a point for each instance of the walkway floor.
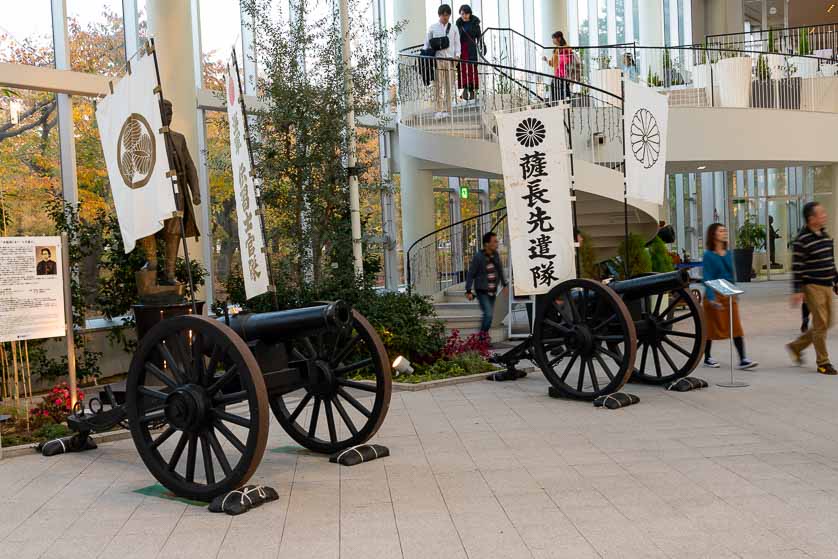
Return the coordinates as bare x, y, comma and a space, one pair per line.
495, 471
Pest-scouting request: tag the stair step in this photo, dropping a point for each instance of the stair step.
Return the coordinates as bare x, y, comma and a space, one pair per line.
457, 308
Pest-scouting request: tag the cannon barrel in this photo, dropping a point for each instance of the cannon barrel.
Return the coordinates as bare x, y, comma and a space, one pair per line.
637, 288
294, 323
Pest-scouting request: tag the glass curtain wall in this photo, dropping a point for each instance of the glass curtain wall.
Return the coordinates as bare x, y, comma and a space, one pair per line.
769, 199
606, 22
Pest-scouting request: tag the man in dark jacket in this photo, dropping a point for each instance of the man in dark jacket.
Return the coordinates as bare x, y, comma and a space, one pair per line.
815, 281
485, 276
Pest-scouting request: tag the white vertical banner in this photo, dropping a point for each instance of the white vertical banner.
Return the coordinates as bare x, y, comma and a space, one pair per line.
537, 182
645, 126
251, 239
135, 153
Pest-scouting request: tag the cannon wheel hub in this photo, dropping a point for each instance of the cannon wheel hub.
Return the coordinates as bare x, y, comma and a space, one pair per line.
187, 408
584, 339
322, 381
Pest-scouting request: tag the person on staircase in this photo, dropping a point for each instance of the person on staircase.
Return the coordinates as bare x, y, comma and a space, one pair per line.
560, 62
718, 264
444, 40
485, 277
471, 39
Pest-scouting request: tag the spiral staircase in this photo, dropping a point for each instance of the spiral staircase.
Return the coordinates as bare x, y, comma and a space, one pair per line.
513, 77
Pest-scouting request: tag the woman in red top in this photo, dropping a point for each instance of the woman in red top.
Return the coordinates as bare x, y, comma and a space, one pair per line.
560, 62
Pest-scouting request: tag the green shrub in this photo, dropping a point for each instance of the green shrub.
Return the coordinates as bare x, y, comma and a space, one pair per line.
659, 254
763, 71
751, 234
587, 257
406, 322
639, 261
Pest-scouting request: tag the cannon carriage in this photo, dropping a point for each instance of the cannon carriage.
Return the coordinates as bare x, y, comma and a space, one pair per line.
589, 338
199, 392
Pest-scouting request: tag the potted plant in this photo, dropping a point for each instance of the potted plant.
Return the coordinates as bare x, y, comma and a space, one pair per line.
806, 66
653, 79
603, 62
788, 88
772, 47
762, 88
750, 236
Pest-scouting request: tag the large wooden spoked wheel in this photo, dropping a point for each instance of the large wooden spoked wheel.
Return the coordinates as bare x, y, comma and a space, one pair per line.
330, 411
195, 379
584, 339
670, 337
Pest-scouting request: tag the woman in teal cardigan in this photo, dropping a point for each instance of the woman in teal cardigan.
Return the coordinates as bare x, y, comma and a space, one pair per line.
718, 264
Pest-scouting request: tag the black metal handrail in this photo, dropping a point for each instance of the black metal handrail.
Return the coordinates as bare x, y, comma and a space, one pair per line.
502, 67
775, 29
478, 218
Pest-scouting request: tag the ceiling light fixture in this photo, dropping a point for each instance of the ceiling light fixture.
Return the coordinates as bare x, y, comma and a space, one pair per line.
830, 8
702, 167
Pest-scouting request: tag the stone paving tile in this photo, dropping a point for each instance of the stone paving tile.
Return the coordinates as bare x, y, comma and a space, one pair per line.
494, 470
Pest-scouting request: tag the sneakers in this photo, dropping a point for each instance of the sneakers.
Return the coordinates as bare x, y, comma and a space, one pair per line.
827, 369
711, 363
746, 364
796, 357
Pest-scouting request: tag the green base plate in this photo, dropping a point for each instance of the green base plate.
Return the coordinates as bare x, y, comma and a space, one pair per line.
161, 492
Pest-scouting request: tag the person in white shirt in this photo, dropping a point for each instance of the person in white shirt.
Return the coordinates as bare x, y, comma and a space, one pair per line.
444, 82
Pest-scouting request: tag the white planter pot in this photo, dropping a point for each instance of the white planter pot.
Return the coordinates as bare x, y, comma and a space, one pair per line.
806, 67
733, 78
829, 70
701, 75
608, 80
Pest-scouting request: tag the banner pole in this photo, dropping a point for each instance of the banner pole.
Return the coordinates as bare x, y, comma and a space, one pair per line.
258, 190
625, 182
569, 130
175, 187
68, 319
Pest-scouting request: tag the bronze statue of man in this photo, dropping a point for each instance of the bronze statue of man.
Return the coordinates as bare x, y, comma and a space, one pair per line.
187, 178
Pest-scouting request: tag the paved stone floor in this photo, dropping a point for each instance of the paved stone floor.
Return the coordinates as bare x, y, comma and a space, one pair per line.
495, 470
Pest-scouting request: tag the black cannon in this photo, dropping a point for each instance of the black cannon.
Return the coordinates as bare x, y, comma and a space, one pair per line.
197, 383
589, 338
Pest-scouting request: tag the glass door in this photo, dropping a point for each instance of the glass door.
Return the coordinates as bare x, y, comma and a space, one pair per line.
783, 221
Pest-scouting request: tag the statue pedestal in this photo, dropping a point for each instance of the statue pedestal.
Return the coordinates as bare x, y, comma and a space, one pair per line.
152, 294
148, 315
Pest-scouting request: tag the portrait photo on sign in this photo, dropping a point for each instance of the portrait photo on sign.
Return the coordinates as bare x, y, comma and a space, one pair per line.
45, 261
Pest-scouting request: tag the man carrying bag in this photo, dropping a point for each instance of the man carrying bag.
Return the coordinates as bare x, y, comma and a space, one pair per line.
442, 42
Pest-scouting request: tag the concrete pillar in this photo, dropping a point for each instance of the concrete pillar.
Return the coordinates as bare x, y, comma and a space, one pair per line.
651, 35
723, 16
553, 18
413, 14
417, 192
651, 22
170, 24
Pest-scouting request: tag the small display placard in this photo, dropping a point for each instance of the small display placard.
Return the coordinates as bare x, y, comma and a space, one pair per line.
31, 288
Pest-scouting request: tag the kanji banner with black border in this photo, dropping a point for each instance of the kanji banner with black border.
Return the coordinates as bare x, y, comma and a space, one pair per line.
251, 241
537, 183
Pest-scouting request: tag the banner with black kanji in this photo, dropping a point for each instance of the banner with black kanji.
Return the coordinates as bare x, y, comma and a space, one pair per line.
537, 183
251, 240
